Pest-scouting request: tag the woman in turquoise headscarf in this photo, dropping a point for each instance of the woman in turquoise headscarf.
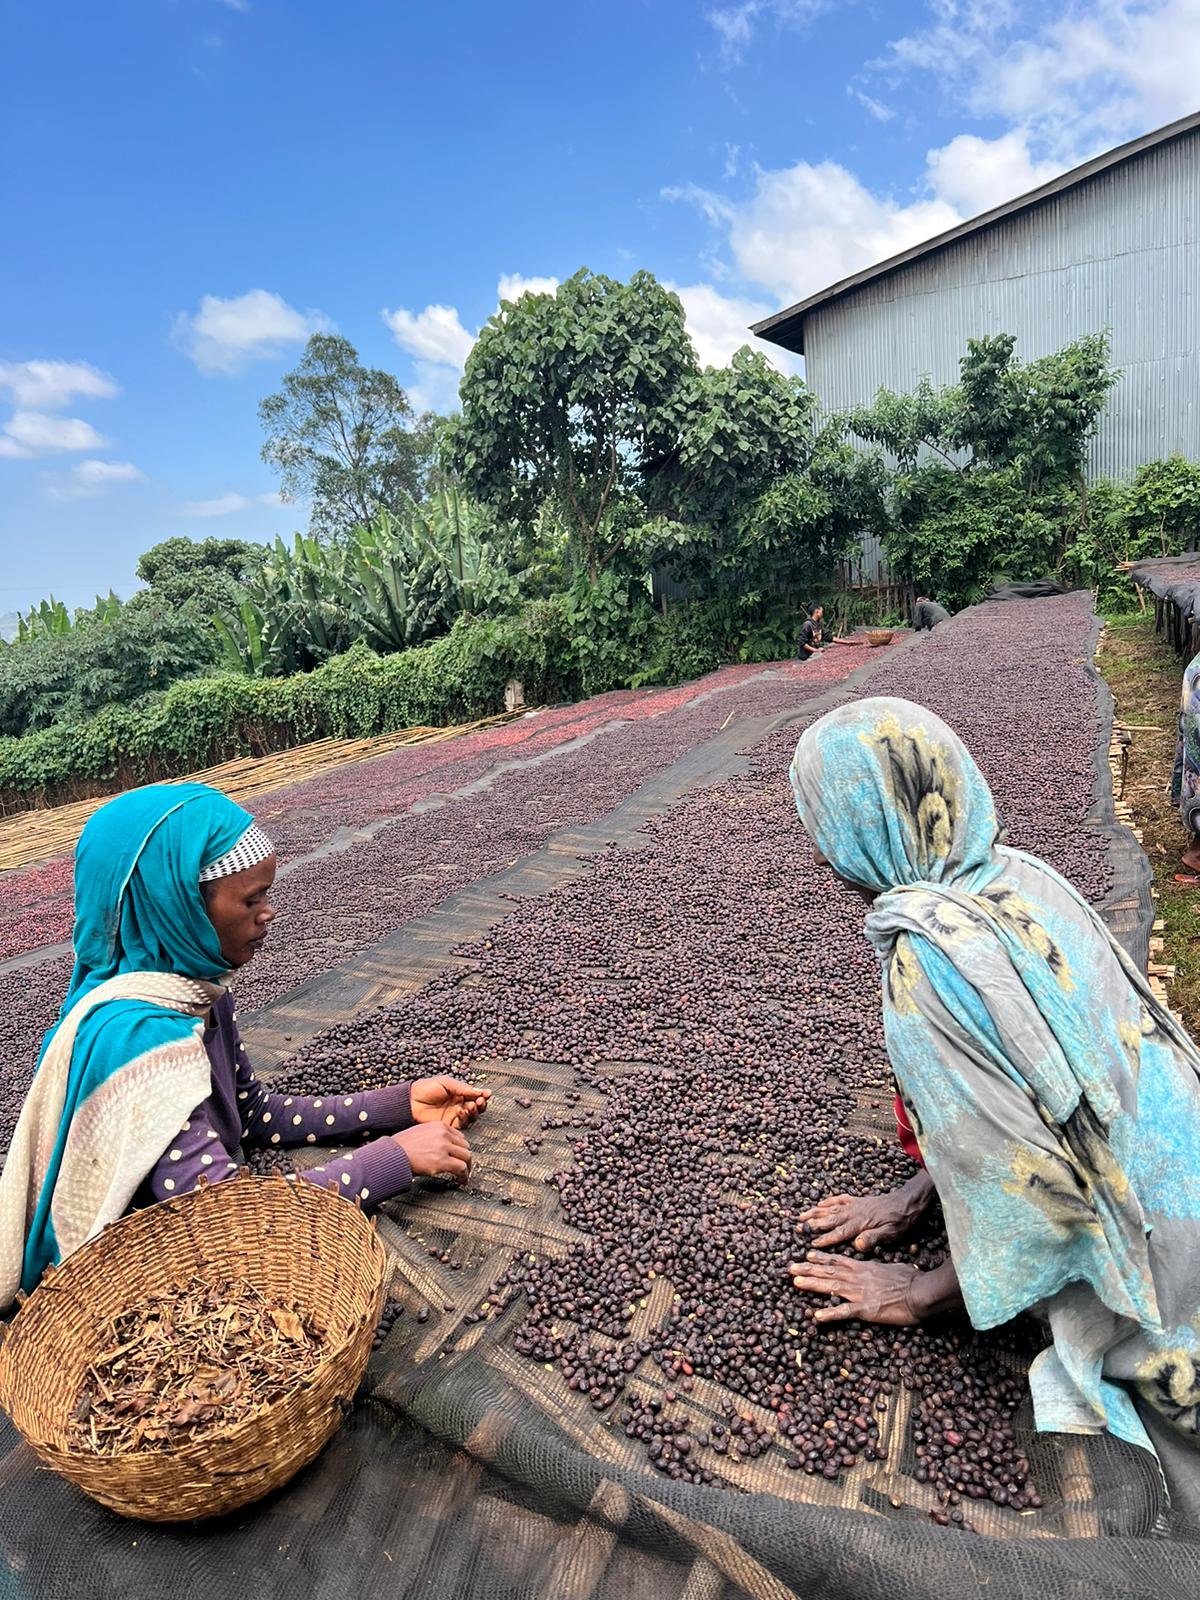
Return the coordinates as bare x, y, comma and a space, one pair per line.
1054, 1101
143, 1086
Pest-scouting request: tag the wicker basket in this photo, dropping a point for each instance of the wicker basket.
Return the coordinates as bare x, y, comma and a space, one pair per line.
879, 636
292, 1241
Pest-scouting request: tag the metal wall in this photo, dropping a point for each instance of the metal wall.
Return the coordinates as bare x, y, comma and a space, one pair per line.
1118, 252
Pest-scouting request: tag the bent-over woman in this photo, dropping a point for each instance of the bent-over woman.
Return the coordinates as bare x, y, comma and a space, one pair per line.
143, 1086
1054, 1102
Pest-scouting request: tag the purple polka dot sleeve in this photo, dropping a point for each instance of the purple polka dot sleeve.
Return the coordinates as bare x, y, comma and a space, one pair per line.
196, 1152
375, 1173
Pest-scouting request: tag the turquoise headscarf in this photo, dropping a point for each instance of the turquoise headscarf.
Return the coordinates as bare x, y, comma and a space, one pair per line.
138, 908
1046, 1083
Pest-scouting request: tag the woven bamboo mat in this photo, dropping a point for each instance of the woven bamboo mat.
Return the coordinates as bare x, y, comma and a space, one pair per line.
39, 835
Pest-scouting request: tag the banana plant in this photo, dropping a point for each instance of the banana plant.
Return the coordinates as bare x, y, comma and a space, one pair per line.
396, 581
49, 619
242, 640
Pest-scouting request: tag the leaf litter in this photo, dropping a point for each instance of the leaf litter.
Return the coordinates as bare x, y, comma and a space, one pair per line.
180, 1367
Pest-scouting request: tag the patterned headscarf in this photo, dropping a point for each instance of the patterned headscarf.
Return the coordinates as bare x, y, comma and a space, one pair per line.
891, 797
1030, 1053
251, 850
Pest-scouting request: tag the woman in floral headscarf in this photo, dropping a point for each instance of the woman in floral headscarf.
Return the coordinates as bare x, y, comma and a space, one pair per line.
1055, 1103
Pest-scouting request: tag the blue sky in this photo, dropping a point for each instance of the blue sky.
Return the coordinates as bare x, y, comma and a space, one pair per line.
190, 186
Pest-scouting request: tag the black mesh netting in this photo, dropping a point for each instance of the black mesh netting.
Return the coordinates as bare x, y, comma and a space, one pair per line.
1030, 589
1174, 581
468, 1469
518, 1510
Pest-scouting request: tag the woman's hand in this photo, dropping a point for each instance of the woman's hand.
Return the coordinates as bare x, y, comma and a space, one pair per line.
447, 1100
869, 1220
873, 1292
434, 1149
869, 1290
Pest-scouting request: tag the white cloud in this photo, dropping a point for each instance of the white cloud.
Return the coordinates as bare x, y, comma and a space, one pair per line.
273, 498
434, 387
805, 227
715, 208
1078, 77
435, 334
873, 108
50, 385
512, 286
974, 174
808, 226
735, 25
223, 336
440, 344
34, 433
719, 324
222, 506
91, 478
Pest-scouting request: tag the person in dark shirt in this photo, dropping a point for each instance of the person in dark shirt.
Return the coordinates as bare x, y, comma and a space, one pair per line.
812, 635
927, 613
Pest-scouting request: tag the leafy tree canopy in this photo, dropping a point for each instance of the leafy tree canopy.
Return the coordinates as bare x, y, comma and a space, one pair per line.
566, 397
989, 471
339, 433
201, 574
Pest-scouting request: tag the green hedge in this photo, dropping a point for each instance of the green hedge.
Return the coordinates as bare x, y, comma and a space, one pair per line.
202, 721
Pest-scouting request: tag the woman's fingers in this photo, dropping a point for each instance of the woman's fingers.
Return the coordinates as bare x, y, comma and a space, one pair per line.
870, 1237
843, 1313
831, 1205
823, 1274
837, 1234
466, 1091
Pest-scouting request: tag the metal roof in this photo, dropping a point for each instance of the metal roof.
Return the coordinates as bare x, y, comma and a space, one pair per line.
786, 328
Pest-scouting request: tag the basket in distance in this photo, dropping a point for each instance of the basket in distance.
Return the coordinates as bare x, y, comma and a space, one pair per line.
295, 1243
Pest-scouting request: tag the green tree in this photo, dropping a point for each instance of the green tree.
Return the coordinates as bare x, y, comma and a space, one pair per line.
565, 399
1157, 514
113, 653
204, 575
338, 432
989, 478
769, 499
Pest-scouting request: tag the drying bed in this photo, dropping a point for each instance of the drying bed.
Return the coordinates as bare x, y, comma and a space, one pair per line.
391, 838
597, 1379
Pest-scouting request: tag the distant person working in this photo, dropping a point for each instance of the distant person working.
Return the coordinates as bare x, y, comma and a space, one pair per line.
927, 613
812, 635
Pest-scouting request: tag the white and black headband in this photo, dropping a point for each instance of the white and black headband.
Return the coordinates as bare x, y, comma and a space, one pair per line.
251, 848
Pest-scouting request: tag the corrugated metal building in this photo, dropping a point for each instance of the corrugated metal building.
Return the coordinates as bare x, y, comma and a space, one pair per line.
1112, 244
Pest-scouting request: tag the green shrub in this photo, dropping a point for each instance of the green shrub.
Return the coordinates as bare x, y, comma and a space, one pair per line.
115, 654
610, 621
688, 642
1156, 514
200, 722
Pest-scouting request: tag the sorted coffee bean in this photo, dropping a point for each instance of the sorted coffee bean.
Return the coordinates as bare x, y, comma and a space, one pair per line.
179, 1367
